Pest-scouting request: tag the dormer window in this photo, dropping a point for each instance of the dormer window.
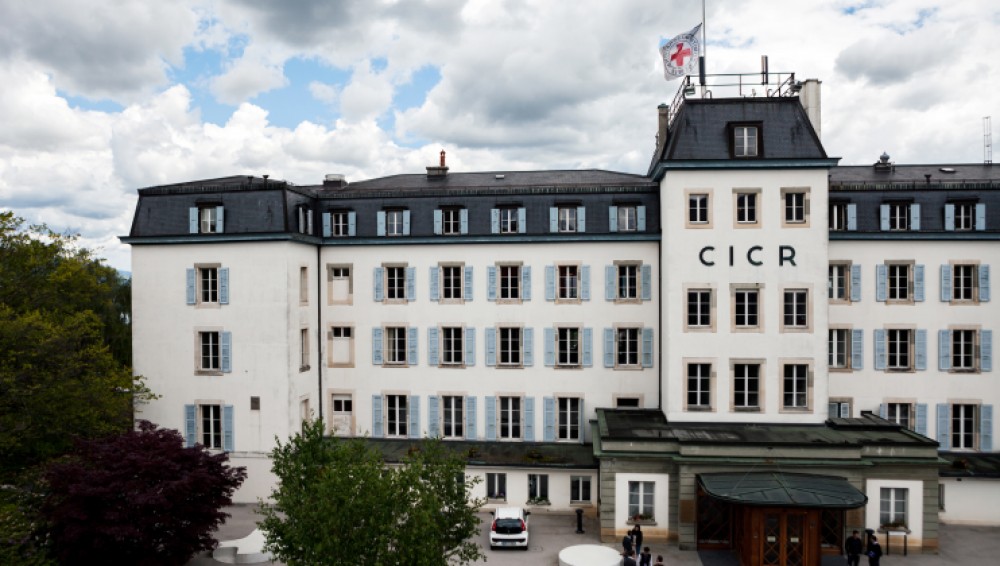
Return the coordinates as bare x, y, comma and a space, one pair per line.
205, 219
305, 221
745, 140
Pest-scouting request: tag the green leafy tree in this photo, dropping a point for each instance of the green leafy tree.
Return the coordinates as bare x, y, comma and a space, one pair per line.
338, 502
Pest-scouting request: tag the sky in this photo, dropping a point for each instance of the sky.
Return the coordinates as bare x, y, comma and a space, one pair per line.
103, 97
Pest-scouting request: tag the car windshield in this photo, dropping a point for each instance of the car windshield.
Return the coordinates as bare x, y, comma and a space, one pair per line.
508, 526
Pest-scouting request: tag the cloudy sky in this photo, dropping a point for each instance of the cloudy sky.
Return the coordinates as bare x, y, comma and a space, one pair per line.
101, 97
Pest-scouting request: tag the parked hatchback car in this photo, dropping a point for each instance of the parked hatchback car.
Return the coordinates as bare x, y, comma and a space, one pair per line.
509, 528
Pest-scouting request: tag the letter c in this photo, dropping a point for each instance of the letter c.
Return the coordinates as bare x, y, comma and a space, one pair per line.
750, 253
701, 256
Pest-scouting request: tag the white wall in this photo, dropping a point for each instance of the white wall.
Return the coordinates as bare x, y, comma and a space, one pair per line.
914, 506
971, 501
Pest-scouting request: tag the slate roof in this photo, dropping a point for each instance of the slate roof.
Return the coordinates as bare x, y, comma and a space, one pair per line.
502, 180
506, 454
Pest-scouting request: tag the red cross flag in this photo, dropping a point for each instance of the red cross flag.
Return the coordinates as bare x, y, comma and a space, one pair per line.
680, 54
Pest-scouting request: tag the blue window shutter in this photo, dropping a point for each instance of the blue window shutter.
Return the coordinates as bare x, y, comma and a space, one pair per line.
470, 347
352, 223
581, 219
980, 217
550, 347
915, 217
380, 223
944, 350
986, 428
647, 347
986, 350
470, 418
228, 432
529, 343
491, 283
463, 221
467, 291
609, 347
857, 349
588, 347
327, 225
918, 283
433, 419
550, 282
406, 222
585, 283
411, 345
193, 220
549, 435
984, 283
190, 425
832, 410
438, 218
942, 433
432, 347
855, 283
190, 286
640, 216
224, 286
949, 217
494, 220
553, 219
921, 347
491, 347
435, 276
377, 346
879, 334
491, 418
413, 408
379, 283
647, 282
883, 410
945, 283
526, 283
220, 219
921, 425
884, 216
377, 416
226, 351
609, 283
522, 221
612, 219
529, 419
852, 217
411, 283
880, 282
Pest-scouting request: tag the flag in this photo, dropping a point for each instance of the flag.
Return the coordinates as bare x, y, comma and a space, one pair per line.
680, 54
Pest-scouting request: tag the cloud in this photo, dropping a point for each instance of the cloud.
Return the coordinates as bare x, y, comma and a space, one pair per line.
326, 93
258, 70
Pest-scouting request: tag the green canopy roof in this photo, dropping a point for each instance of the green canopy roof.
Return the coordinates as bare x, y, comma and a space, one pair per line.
780, 489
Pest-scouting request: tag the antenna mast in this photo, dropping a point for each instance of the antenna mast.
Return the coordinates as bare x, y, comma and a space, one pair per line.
987, 141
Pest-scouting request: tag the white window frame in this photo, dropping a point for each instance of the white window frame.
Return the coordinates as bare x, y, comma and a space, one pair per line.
902, 340
340, 222
397, 415
510, 417
496, 486
210, 351
839, 282
796, 387
699, 383
839, 348
628, 218
699, 311
899, 282
396, 346
210, 427
452, 416
752, 396
538, 488
208, 284
893, 505
568, 418
395, 283
568, 283
746, 313
453, 285
509, 283
510, 346
340, 272
894, 412
208, 220
628, 347
579, 486
509, 220
452, 346
838, 217
567, 219
699, 209
304, 354
628, 281
337, 333
899, 216
795, 309
394, 222
451, 221
642, 500
569, 347
965, 216
746, 141
964, 426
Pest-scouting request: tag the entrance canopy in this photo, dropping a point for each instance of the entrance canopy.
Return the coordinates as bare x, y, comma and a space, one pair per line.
782, 490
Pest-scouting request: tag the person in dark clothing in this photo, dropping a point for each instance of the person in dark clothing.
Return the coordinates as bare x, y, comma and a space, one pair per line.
637, 538
853, 548
874, 552
645, 557
627, 544
629, 559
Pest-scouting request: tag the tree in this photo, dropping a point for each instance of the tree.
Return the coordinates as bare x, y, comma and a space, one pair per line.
337, 502
137, 498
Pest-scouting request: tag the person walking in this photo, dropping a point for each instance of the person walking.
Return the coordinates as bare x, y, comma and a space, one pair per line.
629, 559
659, 560
853, 547
645, 557
627, 544
874, 551
637, 538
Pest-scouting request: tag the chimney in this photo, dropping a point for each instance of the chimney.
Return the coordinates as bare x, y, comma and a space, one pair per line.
439, 172
663, 112
334, 181
809, 97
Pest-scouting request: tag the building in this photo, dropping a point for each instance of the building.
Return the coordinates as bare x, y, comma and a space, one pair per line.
731, 350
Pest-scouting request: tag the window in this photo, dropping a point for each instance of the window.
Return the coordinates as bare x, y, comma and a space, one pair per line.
838, 281
569, 283
640, 500
510, 418
209, 219
839, 409
342, 415
303, 285
510, 282
208, 284
211, 426
746, 208
796, 308
305, 414
628, 281
968, 349
699, 308
963, 427
747, 305
395, 283
963, 350
394, 222
395, 415
627, 347
510, 346
899, 216
451, 221
341, 346
838, 216
211, 359
965, 216
569, 418
892, 506
965, 282
796, 210
900, 344
508, 220
745, 141
746, 386
699, 386
627, 402
567, 219
627, 219
538, 488
340, 224
568, 347
395, 345
795, 386
579, 489
305, 220
496, 485
451, 282
898, 281
698, 209
304, 349
452, 416
340, 284
838, 348
900, 413
452, 346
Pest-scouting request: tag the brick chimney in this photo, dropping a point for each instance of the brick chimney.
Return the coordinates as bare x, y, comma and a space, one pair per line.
438, 172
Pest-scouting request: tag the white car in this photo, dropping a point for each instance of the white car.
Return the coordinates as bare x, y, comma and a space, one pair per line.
509, 528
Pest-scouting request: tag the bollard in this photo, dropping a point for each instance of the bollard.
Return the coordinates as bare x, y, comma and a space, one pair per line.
579, 521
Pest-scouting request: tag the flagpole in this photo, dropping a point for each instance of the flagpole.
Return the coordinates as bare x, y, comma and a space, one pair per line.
704, 50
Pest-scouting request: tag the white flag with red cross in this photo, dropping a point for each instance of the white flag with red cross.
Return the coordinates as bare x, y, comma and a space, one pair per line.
680, 54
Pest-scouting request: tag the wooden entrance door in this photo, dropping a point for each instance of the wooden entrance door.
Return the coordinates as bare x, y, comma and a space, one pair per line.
787, 537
